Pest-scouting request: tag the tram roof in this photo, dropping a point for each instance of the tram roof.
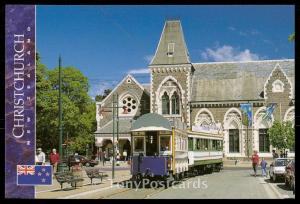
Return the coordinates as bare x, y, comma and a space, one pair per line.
151, 122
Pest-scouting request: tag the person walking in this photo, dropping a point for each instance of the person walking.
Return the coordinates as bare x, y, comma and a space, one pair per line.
103, 157
125, 155
263, 165
275, 155
54, 159
255, 161
40, 158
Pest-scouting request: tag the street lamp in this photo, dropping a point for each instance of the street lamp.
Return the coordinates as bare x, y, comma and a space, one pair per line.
87, 149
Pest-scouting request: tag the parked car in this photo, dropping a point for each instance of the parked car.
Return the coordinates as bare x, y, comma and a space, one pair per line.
290, 175
81, 160
277, 168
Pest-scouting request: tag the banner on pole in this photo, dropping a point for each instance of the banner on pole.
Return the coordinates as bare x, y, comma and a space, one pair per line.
246, 114
269, 111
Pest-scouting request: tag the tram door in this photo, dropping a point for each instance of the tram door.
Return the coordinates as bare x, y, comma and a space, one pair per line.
151, 143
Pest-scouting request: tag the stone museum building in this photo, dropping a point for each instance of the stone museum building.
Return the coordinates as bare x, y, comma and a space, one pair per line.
200, 94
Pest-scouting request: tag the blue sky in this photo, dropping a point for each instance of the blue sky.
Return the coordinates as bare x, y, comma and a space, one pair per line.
108, 42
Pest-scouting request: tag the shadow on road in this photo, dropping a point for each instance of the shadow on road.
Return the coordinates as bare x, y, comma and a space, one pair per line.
283, 187
64, 189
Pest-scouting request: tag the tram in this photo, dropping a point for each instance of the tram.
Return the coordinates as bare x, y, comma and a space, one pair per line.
163, 149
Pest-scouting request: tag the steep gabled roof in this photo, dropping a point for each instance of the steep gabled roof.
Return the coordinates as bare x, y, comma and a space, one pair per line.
123, 81
235, 80
172, 33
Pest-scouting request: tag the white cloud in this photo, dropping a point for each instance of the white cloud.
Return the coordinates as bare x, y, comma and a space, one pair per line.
227, 53
148, 58
139, 71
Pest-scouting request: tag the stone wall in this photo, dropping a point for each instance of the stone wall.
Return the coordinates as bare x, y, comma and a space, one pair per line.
131, 88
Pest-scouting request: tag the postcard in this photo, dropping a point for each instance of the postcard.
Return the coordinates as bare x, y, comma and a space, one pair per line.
149, 101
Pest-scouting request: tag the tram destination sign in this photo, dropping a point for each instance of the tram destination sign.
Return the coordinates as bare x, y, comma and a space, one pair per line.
213, 128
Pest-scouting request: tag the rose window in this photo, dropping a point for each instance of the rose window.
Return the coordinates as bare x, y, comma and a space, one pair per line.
129, 105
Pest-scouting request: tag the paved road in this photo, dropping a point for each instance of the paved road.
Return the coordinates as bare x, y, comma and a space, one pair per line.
227, 184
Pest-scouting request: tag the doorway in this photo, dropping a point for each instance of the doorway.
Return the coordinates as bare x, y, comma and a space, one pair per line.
151, 143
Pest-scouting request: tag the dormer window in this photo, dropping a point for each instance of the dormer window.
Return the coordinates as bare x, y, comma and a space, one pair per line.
277, 86
171, 47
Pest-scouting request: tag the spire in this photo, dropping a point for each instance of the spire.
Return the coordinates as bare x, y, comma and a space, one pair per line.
171, 48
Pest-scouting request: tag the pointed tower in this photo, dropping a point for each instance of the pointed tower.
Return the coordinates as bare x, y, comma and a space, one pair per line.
171, 48
171, 72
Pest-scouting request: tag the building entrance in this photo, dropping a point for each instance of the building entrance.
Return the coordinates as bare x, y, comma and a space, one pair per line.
151, 143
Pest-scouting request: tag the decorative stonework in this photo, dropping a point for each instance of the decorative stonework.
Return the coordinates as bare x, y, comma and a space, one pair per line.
290, 115
129, 104
277, 86
168, 85
204, 116
277, 82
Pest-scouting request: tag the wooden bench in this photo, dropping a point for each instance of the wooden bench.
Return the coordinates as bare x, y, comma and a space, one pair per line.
66, 177
93, 172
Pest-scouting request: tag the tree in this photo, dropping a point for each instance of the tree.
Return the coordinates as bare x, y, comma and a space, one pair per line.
282, 135
103, 96
292, 37
78, 108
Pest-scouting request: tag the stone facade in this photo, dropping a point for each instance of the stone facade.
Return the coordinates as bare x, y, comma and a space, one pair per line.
212, 92
128, 86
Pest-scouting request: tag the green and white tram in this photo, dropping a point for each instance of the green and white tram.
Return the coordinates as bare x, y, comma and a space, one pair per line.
205, 149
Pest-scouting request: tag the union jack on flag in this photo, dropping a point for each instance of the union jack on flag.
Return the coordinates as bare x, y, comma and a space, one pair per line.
24, 169
34, 175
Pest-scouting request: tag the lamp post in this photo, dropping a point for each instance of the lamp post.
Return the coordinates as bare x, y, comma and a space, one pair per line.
113, 143
86, 150
60, 112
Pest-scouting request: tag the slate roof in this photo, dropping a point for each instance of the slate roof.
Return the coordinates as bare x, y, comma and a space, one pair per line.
107, 129
172, 33
235, 80
146, 87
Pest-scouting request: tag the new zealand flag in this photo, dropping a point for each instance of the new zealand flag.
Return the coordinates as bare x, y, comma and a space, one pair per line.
34, 175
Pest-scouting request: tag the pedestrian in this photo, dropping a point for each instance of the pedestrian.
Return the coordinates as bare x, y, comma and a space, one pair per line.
255, 161
281, 154
275, 155
263, 165
54, 159
40, 157
125, 155
103, 158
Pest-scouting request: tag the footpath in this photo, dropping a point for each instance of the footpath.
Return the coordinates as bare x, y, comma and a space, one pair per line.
121, 173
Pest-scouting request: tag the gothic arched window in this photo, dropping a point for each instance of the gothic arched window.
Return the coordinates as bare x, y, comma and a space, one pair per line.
175, 103
165, 104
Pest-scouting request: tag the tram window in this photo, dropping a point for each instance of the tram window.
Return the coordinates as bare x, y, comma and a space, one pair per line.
206, 144
165, 143
198, 144
139, 144
220, 145
215, 144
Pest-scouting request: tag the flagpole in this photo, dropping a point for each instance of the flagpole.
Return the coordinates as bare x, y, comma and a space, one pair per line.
280, 112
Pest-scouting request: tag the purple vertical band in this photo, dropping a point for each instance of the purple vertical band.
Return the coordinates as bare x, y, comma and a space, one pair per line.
19, 96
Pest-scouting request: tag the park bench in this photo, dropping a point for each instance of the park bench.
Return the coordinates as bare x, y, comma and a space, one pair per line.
66, 177
93, 172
